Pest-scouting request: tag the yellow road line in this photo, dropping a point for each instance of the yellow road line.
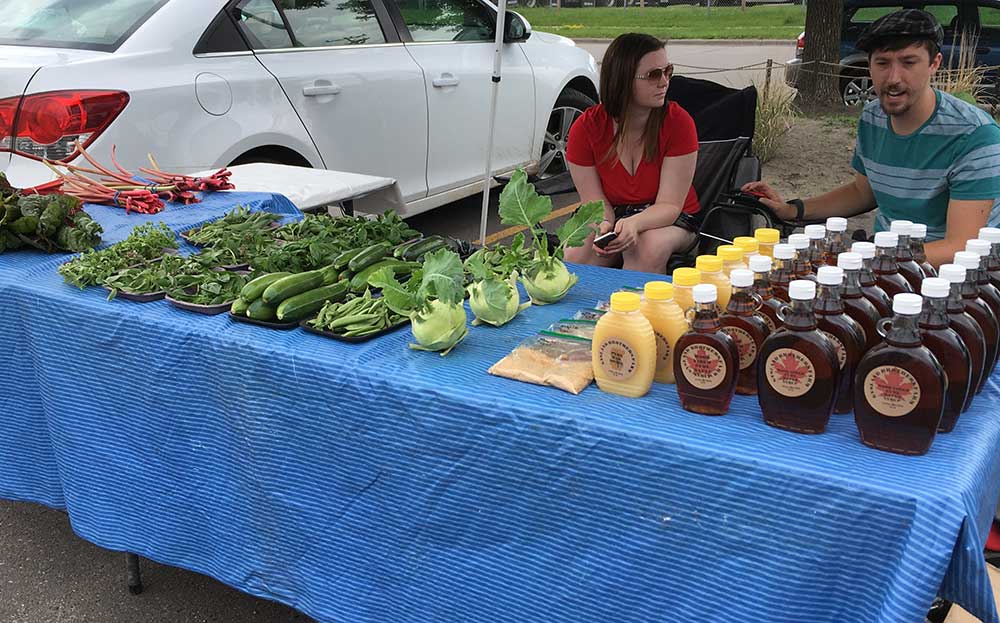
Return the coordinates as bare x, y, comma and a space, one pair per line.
513, 231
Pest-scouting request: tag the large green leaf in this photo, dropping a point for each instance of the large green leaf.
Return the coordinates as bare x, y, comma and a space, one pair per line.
397, 297
573, 232
443, 278
476, 266
520, 204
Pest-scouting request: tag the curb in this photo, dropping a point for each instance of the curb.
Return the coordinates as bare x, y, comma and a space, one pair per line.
722, 42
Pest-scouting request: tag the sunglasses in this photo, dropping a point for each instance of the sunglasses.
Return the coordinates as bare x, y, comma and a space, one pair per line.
657, 73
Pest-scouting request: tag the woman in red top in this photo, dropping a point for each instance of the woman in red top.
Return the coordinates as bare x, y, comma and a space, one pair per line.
636, 152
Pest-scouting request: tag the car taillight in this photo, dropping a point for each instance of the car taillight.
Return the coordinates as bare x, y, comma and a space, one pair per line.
8, 108
800, 43
49, 124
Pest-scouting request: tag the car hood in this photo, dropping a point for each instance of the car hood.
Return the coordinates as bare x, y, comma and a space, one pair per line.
547, 37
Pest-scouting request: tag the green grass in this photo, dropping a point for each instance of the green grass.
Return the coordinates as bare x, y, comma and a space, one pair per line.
680, 22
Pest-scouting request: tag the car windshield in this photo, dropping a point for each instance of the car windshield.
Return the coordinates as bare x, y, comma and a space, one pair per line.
87, 24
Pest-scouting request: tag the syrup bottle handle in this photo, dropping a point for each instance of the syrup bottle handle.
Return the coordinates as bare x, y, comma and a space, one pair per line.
689, 316
782, 312
757, 300
883, 326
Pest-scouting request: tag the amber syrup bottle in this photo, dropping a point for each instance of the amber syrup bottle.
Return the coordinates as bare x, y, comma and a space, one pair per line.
908, 267
979, 308
770, 306
743, 322
782, 273
987, 291
992, 235
947, 346
918, 233
817, 246
869, 285
900, 385
885, 266
847, 335
836, 229
802, 264
706, 360
798, 372
967, 328
855, 304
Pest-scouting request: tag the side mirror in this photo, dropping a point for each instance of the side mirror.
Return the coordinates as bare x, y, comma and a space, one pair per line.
516, 28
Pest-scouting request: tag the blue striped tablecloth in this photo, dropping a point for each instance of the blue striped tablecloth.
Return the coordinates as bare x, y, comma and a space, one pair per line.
372, 483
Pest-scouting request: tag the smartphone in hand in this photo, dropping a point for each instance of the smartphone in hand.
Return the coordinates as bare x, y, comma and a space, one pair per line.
604, 240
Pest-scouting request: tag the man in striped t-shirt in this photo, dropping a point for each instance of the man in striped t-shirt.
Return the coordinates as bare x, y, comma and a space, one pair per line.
921, 155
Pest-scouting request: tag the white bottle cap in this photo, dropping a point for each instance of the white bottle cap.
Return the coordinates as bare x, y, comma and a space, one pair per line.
799, 241
919, 230
901, 228
815, 232
830, 275
992, 234
968, 259
886, 239
907, 303
836, 223
783, 251
705, 293
849, 261
741, 278
865, 249
952, 273
982, 247
760, 263
802, 290
935, 288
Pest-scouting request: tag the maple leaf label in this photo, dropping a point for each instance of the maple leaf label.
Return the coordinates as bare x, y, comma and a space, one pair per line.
617, 359
891, 391
789, 372
703, 366
745, 344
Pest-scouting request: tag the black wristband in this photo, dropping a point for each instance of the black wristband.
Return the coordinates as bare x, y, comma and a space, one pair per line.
800, 208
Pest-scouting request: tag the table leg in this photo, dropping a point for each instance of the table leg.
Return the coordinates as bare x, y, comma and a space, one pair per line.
134, 579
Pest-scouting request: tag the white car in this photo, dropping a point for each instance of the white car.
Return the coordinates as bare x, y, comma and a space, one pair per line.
396, 88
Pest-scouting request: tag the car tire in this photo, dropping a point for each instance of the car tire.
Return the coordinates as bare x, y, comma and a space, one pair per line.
856, 87
569, 105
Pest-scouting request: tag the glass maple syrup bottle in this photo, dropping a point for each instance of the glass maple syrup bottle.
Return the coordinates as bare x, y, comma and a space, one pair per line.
798, 372
706, 360
967, 328
869, 285
885, 266
835, 244
770, 306
743, 322
947, 346
900, 385
979, 308
783, 270
987, 291
847, 335
992, 235
801, 266
817, 245
908, 267
855, 304
918, 233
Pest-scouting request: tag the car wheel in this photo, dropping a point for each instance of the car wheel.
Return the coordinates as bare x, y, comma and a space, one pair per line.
856, 87
569, 105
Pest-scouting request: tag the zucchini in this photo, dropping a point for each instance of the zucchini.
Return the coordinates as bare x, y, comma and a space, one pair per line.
289, 286
259, 310
399, 251
239, 307
308, 303
254, 289
360, 280
427, 245
341, 261
369, 256
330, 275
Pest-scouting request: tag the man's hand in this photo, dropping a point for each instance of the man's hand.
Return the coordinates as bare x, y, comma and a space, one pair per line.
771, 199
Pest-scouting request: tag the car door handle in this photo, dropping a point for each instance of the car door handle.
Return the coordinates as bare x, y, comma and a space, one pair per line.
446, 80
321, 89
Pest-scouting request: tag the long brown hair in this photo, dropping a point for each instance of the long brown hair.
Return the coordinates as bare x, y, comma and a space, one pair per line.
618, 72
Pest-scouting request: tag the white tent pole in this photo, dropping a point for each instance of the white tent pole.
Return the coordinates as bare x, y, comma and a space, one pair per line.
488, 176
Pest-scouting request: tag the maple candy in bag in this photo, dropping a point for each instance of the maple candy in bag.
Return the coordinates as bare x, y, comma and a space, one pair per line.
557, 361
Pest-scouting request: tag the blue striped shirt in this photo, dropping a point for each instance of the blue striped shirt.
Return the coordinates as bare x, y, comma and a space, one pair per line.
954, 155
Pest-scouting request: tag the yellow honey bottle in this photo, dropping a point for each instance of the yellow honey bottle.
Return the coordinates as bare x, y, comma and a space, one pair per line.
624, 348
685, 279
766, 238
711, 272
669, 324
749, 245
732, 258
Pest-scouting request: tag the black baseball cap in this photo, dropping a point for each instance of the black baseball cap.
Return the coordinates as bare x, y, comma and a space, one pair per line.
911, 23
